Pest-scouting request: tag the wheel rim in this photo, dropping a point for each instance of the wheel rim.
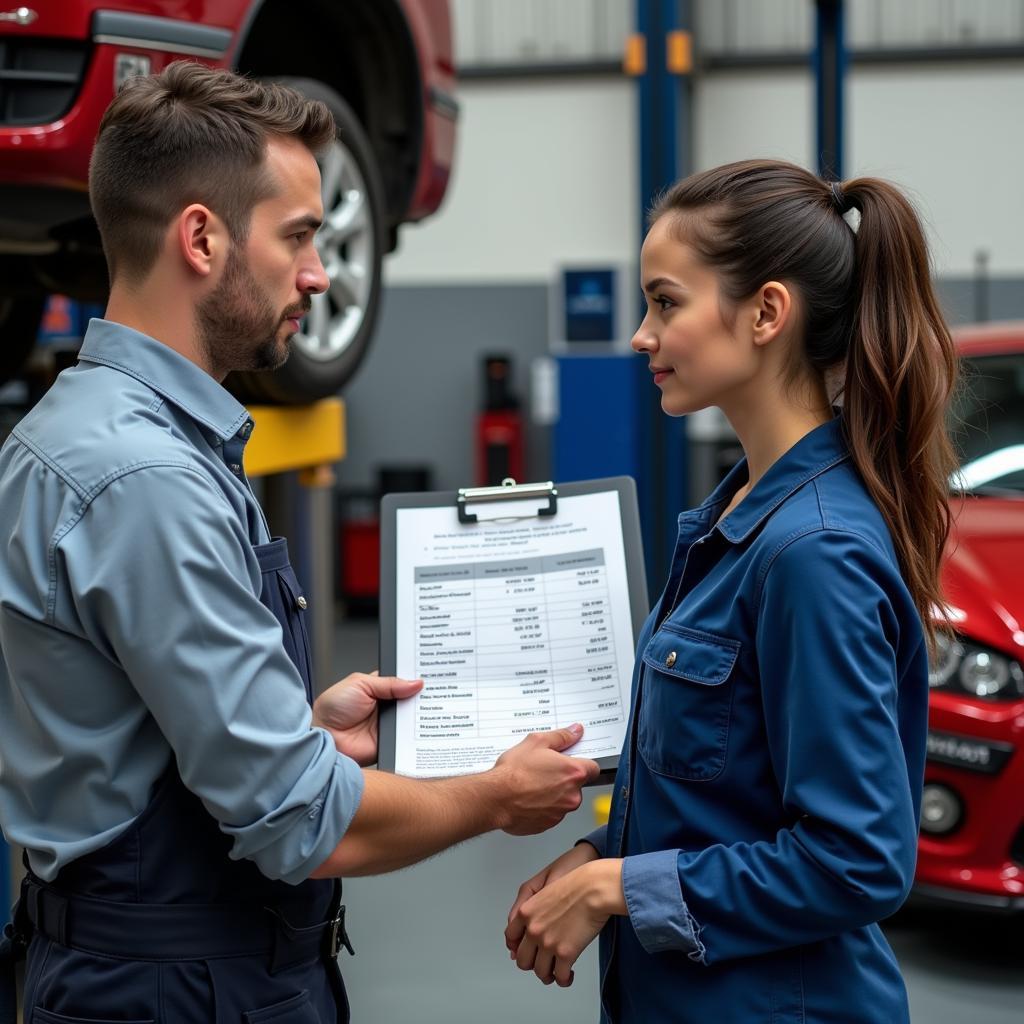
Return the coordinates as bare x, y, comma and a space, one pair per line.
347, 246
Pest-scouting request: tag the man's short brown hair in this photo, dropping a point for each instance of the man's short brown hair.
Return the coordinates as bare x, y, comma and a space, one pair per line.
190, 134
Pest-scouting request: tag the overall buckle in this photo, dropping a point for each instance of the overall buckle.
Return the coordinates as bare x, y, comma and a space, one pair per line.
337, 936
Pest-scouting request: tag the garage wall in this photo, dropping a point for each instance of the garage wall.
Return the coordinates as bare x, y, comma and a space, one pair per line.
546, 174
546, 170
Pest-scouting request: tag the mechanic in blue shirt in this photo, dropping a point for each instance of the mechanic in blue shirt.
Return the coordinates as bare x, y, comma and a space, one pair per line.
765, 812
183, 807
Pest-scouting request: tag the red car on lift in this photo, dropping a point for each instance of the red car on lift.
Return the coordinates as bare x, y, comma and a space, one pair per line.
972, 823
384, 67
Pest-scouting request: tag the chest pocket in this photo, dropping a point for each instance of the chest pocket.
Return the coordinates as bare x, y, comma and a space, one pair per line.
687, 702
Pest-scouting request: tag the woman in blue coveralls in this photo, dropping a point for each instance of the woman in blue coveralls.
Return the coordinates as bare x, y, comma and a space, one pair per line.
765, 811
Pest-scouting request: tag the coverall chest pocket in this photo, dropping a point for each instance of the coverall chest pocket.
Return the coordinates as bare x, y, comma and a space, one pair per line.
687, 702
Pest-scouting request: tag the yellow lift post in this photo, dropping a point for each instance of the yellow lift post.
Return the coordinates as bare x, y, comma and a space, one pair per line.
308, 440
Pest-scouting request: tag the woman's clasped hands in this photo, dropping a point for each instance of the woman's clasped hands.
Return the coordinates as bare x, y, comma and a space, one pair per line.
559, 911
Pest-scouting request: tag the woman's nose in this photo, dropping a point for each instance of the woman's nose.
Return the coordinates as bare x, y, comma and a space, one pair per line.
643, 340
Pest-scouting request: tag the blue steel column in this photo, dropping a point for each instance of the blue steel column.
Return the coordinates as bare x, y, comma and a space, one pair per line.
5, 882
830, 75
665, 147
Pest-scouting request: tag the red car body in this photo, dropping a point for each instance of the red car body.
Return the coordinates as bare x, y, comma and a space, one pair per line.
60, 150
388, 63
976, 744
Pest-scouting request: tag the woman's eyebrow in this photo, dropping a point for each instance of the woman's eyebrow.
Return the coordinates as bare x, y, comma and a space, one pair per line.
659, 282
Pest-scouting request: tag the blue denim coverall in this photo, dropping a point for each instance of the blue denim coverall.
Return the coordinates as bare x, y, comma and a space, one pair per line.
767, 799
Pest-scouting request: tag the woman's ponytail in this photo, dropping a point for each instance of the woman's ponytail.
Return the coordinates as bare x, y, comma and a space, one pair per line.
901, 369
868, 307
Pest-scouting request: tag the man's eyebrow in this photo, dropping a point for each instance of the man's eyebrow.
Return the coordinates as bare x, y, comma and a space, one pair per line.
307, 221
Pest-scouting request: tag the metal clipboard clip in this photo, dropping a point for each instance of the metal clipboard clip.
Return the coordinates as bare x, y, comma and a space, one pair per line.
507, 490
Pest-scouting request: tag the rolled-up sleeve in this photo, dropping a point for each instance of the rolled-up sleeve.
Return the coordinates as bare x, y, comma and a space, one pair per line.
657, 912
163, 581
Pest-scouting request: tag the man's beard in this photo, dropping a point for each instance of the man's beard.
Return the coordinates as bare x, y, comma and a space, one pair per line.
238, 325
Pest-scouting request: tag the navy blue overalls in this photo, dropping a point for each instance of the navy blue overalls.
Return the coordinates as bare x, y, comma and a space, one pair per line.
162, 926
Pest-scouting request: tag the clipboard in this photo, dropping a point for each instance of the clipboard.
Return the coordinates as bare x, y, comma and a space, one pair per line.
558, 558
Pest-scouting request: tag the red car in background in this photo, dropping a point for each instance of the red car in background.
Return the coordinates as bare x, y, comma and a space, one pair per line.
384, 67
972, 823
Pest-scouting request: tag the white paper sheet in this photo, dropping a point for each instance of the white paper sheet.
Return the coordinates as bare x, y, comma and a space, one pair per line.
515, 627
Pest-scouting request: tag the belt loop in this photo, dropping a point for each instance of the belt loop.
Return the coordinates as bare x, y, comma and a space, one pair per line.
53, 916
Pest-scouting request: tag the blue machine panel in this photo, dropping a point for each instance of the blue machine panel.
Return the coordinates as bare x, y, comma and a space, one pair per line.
589, 305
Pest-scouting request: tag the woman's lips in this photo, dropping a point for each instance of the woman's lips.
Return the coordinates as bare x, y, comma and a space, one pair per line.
659, 374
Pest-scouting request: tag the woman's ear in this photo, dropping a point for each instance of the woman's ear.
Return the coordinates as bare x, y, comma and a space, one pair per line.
773, 309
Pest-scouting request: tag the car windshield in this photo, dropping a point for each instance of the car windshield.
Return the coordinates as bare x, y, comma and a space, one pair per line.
988, 426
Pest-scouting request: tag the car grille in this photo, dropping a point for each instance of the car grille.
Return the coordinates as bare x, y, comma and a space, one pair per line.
39, 79
1017, 847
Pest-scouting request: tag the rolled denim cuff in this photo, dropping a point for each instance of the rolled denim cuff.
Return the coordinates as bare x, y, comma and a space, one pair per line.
657, 910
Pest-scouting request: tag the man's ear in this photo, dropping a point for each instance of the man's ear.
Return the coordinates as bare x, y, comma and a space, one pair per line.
201, 237
773, 308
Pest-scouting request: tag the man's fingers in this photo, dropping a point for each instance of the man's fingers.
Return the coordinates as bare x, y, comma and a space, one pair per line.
391, 687
593, 769
561, 739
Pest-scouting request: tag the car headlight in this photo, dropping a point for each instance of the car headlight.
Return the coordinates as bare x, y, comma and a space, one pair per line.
963, 666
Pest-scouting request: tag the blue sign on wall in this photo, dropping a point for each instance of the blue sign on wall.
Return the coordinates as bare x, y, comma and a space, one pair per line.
589, 304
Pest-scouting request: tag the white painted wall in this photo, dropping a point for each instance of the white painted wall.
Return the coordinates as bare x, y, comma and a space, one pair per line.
547, 168
952, 137
545, 173
947, 133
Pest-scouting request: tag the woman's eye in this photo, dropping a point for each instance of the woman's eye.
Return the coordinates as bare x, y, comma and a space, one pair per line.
662, 303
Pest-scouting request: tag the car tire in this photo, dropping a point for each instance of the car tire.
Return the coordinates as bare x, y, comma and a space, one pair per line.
337, 332
19, 326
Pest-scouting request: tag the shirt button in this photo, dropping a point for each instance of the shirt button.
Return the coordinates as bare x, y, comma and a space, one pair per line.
246, 428
235, 468
314, 812
302, 603
671, 659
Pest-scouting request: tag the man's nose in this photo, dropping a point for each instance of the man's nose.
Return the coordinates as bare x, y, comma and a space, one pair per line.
313, 278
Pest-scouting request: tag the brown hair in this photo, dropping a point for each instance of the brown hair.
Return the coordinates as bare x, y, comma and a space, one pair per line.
866, 300
191, 134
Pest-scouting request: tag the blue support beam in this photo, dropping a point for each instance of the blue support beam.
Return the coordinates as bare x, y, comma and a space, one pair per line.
5, 882
665, 147
830, 60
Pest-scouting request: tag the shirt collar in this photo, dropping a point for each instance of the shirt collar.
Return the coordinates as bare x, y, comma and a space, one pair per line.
815, 452
167, 372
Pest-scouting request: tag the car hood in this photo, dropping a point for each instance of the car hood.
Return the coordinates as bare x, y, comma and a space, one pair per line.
983, 572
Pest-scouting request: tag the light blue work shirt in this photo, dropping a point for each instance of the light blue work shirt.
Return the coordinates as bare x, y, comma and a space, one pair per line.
131, 624
766, 802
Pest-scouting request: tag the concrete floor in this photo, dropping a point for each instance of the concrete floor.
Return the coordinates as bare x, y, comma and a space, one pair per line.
429, 942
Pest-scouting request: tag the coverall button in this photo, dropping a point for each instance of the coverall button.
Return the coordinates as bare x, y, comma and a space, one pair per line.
671, 659
301, 602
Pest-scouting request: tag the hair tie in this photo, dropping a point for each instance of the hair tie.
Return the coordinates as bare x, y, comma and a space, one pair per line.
838, 199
